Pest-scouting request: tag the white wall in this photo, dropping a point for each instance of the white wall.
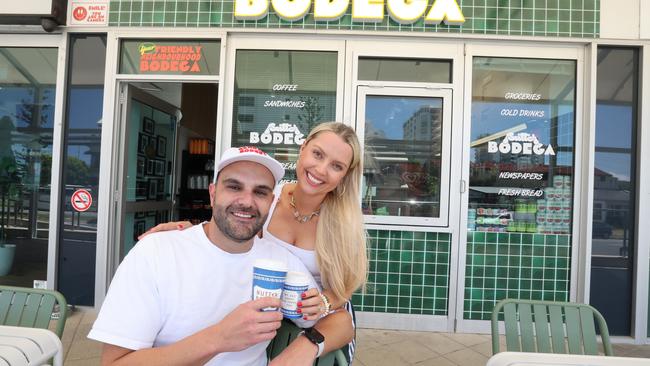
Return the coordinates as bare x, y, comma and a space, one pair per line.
645, 20
621, 19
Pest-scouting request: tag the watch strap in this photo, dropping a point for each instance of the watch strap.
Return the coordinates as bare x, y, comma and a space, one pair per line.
321, 345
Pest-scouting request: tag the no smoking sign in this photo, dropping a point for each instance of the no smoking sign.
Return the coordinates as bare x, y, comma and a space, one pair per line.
81, 200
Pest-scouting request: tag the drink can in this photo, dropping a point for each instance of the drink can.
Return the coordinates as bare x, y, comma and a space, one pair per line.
268, 279
295, 284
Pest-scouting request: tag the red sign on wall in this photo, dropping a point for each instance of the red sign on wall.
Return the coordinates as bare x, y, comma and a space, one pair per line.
89, 13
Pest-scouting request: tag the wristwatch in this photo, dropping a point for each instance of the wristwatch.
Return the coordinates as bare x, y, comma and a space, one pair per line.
314, 337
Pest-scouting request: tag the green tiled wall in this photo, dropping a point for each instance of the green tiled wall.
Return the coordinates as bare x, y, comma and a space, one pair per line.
554, 18
409, 273
509, 265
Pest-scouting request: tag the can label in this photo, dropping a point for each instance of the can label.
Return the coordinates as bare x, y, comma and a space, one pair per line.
290, 297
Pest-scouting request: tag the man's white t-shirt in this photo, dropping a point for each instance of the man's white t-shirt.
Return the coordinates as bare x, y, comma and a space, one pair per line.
174, 284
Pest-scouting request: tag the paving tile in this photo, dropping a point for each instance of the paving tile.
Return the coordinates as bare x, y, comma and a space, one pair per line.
439, 343
71, 325
638, 353
622, 349
467, 339
411, 351
366, 340
379, 357
89, 316
467, 357
84, 349
85, 362
485, 348
384, 336
438, 361
82, 332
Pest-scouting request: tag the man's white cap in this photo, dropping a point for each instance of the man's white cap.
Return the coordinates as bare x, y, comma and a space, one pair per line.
250, 153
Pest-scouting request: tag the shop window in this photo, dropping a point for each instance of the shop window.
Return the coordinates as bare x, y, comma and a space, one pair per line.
404, 69
614, 211
245, 118
27, 100
402, 156
521, 180
294, 90
245, 101
169, 57
521, 159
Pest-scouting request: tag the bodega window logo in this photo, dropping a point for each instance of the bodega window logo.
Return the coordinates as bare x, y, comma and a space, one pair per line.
283, 133
169, 58
401, 11
521, 143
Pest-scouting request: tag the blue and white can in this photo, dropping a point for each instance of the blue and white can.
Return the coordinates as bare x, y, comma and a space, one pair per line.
295, 284
268, 279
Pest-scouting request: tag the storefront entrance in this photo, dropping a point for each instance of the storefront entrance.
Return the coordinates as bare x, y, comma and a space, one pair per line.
165, 158
521, 241
406, 133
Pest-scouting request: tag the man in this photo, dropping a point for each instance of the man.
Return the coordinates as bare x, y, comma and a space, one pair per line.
183, 297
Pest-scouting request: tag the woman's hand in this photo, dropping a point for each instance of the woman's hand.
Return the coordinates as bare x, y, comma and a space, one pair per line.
311, 305
174, 225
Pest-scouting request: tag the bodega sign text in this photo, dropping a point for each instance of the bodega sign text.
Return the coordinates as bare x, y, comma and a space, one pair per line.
401, 11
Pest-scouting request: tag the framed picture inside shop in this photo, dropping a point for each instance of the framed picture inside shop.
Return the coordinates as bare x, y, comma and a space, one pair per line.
139, 229
161, 189
153, 189
148, 125
161, 146
141, 166
141, 188
158, 167
150, 167
143, 141
162, 216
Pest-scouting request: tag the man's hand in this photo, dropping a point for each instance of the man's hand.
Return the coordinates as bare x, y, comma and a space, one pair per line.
248, 325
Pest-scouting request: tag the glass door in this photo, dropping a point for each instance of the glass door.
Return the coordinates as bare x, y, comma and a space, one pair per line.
28, 102
406, 132
520, 202
147, 148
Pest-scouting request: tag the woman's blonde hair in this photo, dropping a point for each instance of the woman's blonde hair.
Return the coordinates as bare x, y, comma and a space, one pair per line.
340, 234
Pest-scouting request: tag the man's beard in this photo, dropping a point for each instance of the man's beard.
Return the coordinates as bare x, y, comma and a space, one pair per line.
237, 232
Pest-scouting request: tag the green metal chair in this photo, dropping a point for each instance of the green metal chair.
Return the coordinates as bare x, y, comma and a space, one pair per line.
287, 333
549, 327
32, 308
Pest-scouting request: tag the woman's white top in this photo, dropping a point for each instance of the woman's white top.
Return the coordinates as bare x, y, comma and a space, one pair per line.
308, 257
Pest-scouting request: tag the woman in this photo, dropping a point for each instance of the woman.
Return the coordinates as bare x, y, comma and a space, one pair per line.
318, 218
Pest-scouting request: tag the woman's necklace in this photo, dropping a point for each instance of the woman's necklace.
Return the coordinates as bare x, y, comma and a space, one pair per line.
296, 215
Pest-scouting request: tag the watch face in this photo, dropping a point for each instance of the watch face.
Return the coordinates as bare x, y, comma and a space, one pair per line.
314, 336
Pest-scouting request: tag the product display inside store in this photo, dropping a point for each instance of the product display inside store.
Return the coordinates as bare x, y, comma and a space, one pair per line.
548, 214
521, 168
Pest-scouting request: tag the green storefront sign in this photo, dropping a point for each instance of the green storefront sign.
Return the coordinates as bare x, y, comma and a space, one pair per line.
547, 18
